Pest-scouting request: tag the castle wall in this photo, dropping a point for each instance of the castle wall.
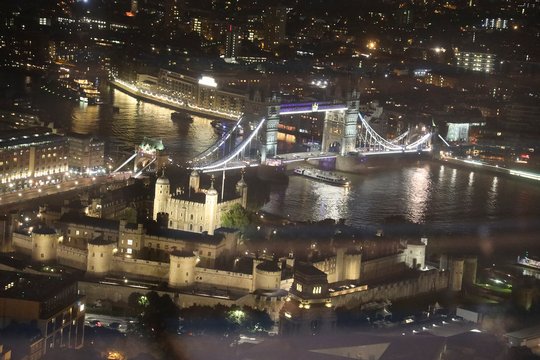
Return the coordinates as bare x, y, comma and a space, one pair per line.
206, 252
381, 267
224, 279
76, 235
331, 267
73, 257
426, 282
142, 268
22, 243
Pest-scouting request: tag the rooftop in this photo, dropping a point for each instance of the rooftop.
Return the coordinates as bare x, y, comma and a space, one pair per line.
17, 285
154, 230
27, 136
79, 219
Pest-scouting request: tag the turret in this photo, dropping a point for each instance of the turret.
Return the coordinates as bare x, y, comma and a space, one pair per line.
266, 275
44, 244
194, 181
161, 196
352, 264
211, 206
241, 190
182, 268
456, 275
100, 253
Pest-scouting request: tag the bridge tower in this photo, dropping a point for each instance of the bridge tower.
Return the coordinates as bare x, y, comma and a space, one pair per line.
149, 151
340, 128
269, 148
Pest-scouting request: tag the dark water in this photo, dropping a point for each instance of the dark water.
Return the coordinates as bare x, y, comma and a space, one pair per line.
463, 207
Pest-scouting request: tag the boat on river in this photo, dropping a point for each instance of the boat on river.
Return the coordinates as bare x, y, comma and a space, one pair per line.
324, 176
181, 116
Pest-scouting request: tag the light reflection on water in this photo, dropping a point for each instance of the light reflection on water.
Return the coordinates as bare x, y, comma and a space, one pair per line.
444, 201
136, 120
444, 198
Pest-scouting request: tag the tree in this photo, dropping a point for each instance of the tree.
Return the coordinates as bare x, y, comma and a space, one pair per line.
237, 218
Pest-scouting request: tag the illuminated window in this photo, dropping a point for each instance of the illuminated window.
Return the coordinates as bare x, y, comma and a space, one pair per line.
130, 242
129, 250
317, 289
299, 287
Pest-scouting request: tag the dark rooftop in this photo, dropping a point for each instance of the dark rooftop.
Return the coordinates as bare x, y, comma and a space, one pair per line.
268, 266
27, 136
43, 230
308, 269
31, 286
79, 219
153, 229
182, 253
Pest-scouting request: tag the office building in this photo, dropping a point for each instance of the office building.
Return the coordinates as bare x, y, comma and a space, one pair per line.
475, 61
50, 303
31, 156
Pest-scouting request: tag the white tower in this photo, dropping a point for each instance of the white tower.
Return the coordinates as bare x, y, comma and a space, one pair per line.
210, 208
161, 196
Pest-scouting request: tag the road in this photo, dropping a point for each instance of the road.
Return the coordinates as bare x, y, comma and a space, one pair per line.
20, 199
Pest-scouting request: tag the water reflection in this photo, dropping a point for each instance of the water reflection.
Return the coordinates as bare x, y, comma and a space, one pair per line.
417, 194
471, 178
331, 201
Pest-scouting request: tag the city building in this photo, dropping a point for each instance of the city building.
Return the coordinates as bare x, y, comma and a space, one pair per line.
475, 61
204, 92
86, 153
275, 22
231, 42
30, 157
52, 303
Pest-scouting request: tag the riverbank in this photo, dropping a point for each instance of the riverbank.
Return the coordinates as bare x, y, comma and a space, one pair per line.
168, 102
477, 165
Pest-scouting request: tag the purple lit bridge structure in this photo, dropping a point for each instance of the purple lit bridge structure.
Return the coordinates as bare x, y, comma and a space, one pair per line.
346, 133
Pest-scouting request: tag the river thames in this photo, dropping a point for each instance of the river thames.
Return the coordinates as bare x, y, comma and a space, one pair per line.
495, 213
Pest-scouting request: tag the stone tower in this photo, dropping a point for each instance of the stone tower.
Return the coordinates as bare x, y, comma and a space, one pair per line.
210, 208
100, 254
161, 196
340, 128
182, 268
272, 120
195, 181
44, 244
241, 189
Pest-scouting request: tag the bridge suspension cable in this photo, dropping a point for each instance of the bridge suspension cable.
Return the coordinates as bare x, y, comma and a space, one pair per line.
214, 147
235, 152
125, 162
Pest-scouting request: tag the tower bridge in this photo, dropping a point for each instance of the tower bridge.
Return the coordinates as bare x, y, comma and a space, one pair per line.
345, 133
252, 143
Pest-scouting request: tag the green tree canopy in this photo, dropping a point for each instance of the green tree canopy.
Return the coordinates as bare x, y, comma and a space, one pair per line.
237, 218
